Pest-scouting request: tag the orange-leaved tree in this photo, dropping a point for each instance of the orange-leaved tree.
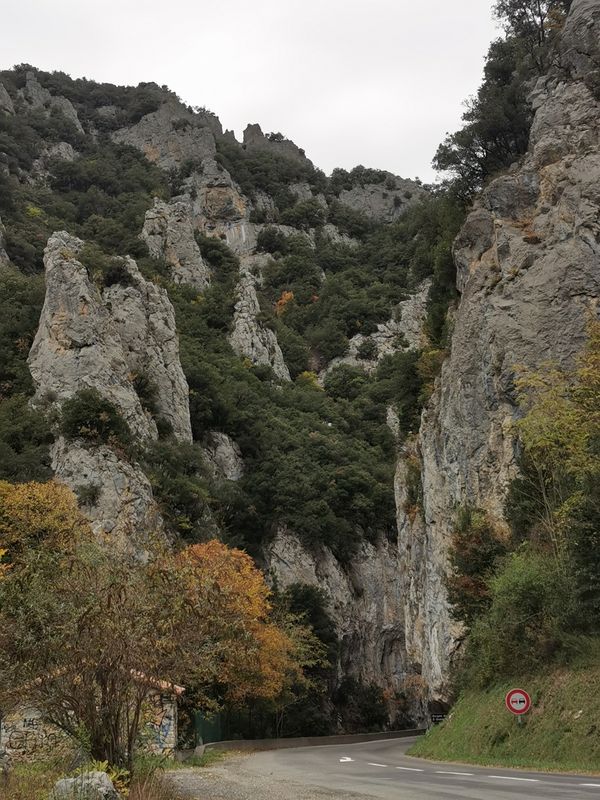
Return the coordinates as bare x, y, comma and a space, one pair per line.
86, 635
267, 653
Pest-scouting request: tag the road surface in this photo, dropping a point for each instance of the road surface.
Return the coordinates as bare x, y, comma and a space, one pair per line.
382, 770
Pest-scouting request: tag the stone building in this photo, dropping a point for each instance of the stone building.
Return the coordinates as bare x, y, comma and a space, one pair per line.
26, 736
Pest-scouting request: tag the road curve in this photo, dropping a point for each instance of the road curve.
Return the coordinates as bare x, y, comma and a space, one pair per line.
382, 770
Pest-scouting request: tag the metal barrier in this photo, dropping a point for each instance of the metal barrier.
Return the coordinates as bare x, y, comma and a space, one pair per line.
311, 741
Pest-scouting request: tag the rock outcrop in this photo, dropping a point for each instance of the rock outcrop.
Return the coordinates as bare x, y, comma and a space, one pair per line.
114, 494
217, 198
169, 234
249, 338
76, 345
224, 456
404, 331
39, 98
169, 136
255, 139
144, 319
61, 151
6, 103
4, 260
364, 600
106, 340
528, 262
383, 202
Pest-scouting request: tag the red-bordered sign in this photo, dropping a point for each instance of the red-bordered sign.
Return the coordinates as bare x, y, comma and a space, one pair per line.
518, 701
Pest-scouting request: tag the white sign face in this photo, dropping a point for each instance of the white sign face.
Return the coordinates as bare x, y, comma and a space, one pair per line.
518, 701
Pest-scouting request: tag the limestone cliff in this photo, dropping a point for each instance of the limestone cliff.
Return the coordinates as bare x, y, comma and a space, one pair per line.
169, 136
105, 337
383, 202
6, 103
3, 255
169, 233
403, 331
40, 99
255, 139
528, 261
88, 338
363, 601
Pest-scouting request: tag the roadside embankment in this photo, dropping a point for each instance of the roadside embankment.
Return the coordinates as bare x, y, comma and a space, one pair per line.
561, 732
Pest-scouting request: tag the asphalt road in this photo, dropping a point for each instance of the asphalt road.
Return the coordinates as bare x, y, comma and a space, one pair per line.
382, 770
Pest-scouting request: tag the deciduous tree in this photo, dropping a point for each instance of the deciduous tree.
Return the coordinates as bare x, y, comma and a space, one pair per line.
86, 635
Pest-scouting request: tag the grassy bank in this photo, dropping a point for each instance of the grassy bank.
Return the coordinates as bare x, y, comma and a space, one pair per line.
561, 732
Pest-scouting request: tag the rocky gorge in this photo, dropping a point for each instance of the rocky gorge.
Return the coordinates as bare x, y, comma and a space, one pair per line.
211, 242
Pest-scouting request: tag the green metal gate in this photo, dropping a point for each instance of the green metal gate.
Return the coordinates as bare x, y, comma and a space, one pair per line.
207, 729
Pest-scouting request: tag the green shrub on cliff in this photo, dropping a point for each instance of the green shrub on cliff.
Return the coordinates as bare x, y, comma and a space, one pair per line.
88, 415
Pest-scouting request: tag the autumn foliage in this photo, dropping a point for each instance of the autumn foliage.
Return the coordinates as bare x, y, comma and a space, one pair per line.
282, 303
86, 634
38, 513
265, 657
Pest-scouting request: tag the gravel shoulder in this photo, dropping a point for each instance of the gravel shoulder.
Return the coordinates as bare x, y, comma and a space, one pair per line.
233, 779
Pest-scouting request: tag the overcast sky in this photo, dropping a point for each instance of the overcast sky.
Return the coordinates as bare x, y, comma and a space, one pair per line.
373, 82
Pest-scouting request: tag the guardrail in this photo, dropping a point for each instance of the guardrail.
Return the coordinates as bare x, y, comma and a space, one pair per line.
311, 741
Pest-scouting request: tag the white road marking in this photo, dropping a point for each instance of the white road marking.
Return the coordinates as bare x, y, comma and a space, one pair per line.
510, 778
444, 772
370, 764
591, 785
345, 759
411, 769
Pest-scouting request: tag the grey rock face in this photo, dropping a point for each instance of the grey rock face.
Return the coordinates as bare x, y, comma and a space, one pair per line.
169, 136
37, 97
89, 786
4, 260
62, 151
224, 456
123, 511
383, 202
333, 234
249, 338
579, 41
144, 319
365, 603
217, 198
103, 341
6, 103
404, 331
76, 344
529, 271
169, 233
255, 139
302, 192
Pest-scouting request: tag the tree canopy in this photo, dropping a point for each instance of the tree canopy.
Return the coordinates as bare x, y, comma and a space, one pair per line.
85, 633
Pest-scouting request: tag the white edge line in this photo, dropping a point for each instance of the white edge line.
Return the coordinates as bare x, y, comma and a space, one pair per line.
371, 764
411, 769
510, 778
444, 772
591, 785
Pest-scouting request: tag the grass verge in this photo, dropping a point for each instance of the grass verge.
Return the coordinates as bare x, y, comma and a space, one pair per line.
34, 781
561, 732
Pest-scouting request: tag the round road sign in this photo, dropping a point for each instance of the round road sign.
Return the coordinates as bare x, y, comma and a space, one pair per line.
518, 701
